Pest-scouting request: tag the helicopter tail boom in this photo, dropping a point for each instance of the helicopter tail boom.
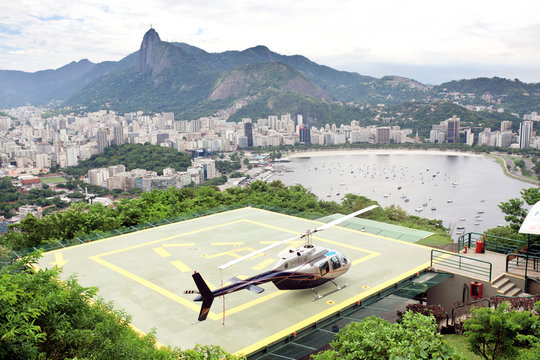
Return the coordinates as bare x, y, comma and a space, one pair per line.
206, 295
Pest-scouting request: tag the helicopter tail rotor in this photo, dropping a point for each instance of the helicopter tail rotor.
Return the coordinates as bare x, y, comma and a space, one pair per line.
206, 295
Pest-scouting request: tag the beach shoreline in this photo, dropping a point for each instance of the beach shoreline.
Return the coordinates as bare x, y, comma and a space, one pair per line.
327, 152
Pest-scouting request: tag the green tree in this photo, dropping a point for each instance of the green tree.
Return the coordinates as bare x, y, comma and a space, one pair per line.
493, 333
42, 317
513, 208
373, 338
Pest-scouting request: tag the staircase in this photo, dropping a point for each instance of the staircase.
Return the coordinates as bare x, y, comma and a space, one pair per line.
505, 286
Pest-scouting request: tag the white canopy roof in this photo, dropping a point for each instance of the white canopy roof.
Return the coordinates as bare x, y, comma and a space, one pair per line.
531, 225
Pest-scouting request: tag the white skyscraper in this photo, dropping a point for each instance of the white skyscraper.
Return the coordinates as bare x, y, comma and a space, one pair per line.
525, 134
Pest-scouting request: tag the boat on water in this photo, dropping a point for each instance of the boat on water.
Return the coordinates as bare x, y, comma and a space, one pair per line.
462, 219
433, 208
480, 211
425, 203
460, 227
476, 223
418, 209
449, 201
406, 199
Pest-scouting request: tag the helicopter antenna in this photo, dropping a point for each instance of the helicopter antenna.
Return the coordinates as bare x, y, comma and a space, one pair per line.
307, 234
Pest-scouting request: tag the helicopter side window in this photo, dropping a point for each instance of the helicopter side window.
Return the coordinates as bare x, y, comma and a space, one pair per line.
343, 259
324, 268
335, 263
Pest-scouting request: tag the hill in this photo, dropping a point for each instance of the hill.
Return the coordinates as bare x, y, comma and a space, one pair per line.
511, 95
134, 156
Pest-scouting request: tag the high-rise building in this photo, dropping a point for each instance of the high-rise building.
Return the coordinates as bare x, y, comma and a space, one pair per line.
382, 136
525, 134
101, 140
452, 130
469, 137
504, 139
43, 160
304, 132
118, 135
506, 125
248, 133
272, 121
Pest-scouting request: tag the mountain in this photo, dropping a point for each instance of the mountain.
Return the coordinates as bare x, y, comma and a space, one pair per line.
21, 88
255, 78
192, 82
256, 82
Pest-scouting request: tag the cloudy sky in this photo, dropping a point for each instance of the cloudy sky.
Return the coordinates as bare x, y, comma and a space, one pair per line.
429, 40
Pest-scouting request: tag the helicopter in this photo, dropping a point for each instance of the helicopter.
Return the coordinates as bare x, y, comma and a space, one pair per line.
305, 267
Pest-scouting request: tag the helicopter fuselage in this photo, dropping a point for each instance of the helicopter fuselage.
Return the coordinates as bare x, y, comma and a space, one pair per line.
305, 267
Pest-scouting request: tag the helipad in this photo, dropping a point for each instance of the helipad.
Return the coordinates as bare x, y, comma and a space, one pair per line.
146, 272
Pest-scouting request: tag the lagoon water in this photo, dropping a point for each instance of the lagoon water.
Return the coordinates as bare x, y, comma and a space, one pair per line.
463, 190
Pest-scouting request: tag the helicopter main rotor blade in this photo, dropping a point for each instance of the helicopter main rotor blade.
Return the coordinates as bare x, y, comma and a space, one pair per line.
343, 218
257, 252
320, 228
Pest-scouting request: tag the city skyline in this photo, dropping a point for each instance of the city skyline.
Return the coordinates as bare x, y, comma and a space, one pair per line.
428, 41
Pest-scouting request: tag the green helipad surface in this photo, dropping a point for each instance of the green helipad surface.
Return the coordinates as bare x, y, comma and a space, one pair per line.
382, 229
146, 272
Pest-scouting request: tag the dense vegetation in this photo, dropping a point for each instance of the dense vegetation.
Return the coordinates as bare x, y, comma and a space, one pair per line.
420, 117
11, 199
134, 156
502, 332
515, 213
81, 218
42, 317
315, 111
373, 338
512, 95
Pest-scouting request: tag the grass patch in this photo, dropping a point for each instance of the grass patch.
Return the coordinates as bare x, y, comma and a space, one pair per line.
53, 180
459, 342
435, 240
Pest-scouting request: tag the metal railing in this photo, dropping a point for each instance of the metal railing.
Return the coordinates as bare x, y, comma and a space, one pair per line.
491, 243
513, 262
467, 304
528, 263
459, 262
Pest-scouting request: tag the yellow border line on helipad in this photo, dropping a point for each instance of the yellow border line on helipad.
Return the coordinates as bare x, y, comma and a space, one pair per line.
312, 319
191, 305
142, 230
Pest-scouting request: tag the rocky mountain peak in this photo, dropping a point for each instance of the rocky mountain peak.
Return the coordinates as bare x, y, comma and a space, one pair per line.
150, 39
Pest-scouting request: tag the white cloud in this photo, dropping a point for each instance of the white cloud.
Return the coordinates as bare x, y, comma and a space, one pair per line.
414, 33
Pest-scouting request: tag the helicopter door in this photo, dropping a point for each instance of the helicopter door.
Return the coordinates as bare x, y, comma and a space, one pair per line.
335, 263
324, 268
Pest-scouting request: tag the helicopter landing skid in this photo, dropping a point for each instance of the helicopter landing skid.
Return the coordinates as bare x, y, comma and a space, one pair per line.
320, 296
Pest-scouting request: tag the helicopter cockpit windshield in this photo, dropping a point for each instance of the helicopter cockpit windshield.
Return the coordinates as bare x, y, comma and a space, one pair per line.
335, 262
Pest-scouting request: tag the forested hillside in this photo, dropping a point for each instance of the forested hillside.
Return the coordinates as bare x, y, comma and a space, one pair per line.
134, 156
82, 219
